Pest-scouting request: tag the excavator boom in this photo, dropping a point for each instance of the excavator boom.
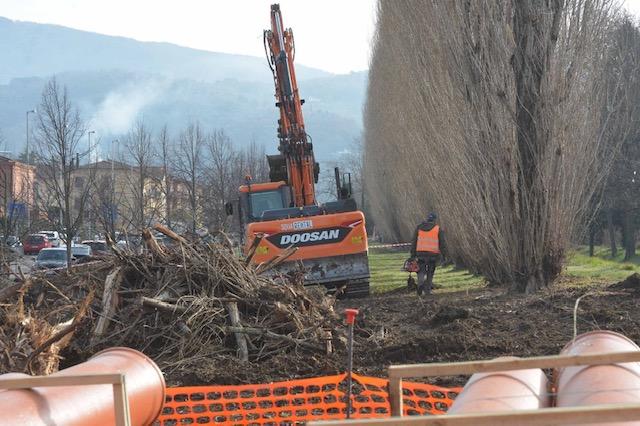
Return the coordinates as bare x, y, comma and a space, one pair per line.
294, 146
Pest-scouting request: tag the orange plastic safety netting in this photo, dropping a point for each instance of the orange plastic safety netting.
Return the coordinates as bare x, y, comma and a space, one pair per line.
297, 401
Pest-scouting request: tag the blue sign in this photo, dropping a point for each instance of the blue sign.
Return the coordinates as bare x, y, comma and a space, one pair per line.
17, 209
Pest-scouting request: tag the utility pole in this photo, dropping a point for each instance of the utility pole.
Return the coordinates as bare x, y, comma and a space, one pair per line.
113, 176
29, 189
113, 188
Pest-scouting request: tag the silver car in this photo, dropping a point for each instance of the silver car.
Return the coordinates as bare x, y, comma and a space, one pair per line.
49, 258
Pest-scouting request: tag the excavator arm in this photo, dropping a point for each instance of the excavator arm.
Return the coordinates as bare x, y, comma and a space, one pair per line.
295, 148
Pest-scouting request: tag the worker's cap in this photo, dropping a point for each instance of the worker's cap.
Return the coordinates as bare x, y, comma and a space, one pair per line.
431, 217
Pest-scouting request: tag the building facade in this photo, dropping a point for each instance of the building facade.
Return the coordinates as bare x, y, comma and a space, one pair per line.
16, 191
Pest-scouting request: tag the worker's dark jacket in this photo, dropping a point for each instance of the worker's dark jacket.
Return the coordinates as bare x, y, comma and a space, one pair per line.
427, 226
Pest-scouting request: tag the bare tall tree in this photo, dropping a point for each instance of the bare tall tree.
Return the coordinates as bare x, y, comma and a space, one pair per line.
102, 202
58, 150
622, 129
478, 98
254, 163
166, 184
220, 173
140, 156
188, 165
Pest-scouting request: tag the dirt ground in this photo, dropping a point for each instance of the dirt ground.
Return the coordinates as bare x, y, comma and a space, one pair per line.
398, 327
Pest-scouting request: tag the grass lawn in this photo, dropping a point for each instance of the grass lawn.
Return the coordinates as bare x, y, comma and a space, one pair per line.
387, 273
600, 267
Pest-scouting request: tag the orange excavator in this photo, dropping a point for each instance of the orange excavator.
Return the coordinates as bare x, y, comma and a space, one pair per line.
331, 238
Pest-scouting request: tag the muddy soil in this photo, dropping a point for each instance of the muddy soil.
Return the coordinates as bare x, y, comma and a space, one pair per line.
399, 327
487, 323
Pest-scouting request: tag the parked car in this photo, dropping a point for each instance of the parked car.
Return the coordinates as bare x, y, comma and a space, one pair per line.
79, 250
54, 257
34, 243
53, 237
98, 247
12, 242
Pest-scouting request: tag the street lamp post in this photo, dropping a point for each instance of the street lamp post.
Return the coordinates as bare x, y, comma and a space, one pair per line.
91, 155
28, 160
32, 111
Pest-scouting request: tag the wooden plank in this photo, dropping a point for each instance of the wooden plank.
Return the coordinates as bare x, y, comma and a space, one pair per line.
42, 381
121, 403
109, 300
395, 396
162, 305
234, 317
545, 416
487, 366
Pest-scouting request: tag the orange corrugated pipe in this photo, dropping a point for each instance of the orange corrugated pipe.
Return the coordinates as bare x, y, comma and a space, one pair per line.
503, 391
598, 384
88, 405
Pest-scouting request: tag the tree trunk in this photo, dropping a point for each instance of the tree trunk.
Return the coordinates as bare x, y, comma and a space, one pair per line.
142, 224
592, 240
629, 233
167, 200
530, 64
612, 233
66, 176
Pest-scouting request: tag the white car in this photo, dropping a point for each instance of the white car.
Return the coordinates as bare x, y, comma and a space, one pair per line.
98, 247
79, 250
52, 236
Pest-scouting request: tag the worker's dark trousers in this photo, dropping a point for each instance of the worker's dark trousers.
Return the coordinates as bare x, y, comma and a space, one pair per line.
426, 271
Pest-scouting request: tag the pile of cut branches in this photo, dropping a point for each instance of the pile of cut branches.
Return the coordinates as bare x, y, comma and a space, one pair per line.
181, 304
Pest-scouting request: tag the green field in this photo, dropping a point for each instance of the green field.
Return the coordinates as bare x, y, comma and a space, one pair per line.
600, 267
387, 273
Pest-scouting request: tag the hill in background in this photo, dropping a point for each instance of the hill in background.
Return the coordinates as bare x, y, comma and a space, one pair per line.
115, 81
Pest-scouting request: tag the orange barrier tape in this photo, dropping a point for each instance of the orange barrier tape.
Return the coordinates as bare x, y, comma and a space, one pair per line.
296, 402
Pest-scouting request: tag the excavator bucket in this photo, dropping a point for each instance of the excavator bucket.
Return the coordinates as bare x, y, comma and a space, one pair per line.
346, 275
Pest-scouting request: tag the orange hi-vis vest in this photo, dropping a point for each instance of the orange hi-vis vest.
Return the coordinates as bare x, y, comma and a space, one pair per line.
428, 241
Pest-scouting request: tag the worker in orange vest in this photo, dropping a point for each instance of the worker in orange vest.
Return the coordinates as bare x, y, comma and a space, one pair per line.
428, 246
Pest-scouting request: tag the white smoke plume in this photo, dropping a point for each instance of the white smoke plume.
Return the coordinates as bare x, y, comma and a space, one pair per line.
123, 106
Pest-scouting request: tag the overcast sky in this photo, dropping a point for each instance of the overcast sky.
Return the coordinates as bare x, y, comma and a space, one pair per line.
333, 35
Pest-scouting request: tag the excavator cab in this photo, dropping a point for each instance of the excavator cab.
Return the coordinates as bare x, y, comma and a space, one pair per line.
257, 198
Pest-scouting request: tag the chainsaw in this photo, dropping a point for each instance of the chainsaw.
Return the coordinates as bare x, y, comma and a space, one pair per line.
411, 265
